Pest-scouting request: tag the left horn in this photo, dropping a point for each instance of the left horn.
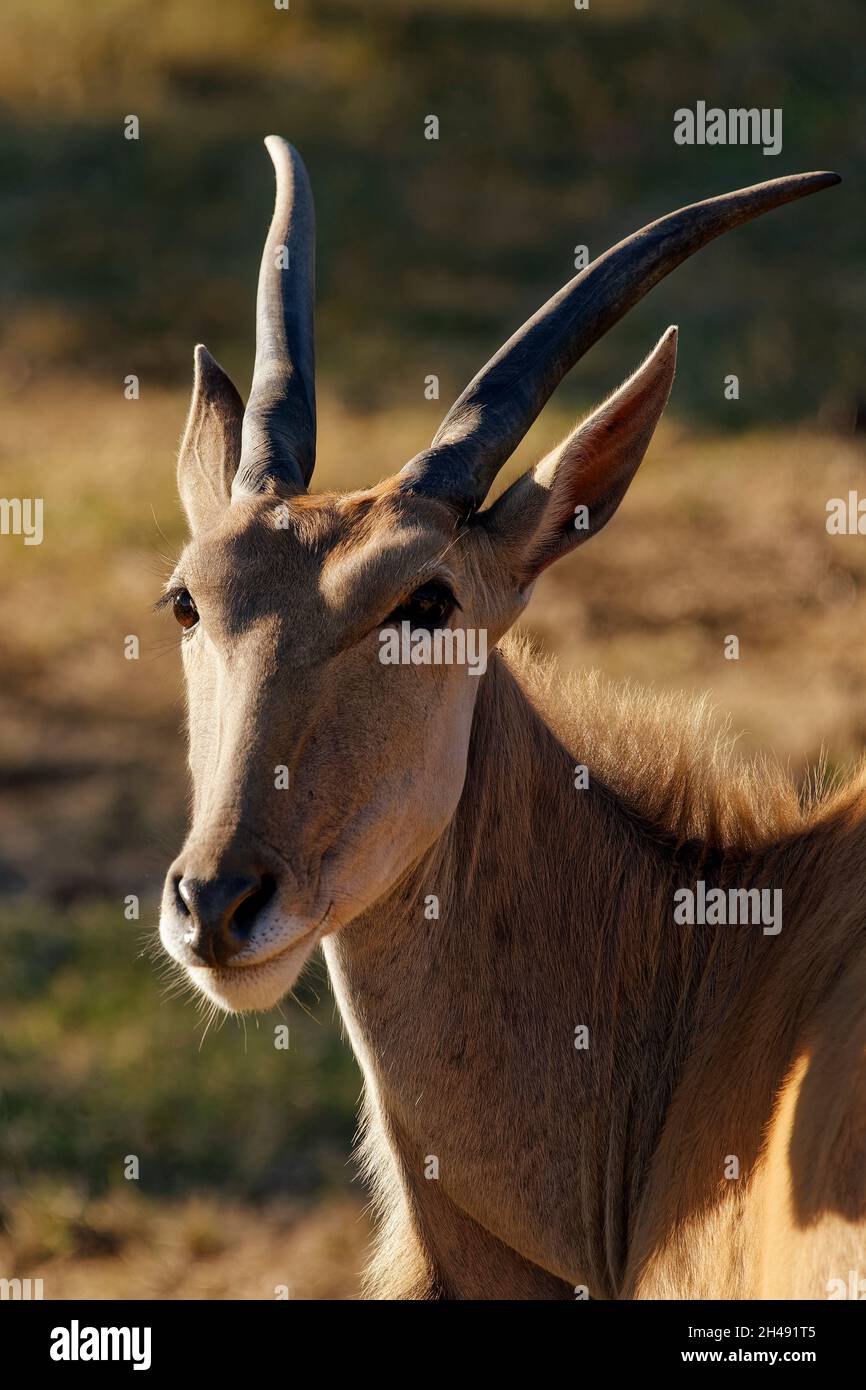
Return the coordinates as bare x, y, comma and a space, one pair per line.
485, 425
279, 429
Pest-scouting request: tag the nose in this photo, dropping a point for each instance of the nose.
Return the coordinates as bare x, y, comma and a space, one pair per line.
221, 912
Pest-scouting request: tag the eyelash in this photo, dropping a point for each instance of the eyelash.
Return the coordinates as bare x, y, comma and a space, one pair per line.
174, 597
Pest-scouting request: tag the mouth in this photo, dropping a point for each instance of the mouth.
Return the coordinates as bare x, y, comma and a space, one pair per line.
259, 983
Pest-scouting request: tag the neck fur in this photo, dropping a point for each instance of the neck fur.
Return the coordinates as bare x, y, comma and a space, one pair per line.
555, 913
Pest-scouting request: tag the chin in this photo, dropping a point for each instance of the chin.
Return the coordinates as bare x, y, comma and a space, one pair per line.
252, 988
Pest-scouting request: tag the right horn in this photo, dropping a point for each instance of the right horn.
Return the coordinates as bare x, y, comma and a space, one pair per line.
279, 430
485, 425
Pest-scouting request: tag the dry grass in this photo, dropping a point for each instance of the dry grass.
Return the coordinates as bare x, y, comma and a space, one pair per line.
127, 1246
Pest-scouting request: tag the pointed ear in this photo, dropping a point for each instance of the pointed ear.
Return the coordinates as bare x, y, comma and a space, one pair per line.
576, 489
211, 447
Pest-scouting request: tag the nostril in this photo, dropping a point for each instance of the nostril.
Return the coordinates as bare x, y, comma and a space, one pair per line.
247, 911
218, 914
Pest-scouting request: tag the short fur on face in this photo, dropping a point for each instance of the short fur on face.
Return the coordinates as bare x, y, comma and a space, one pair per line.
313, 762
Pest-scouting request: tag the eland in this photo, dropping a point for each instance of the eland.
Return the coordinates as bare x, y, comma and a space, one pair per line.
567, 1086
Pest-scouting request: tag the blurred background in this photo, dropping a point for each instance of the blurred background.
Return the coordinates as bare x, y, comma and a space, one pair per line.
556, 130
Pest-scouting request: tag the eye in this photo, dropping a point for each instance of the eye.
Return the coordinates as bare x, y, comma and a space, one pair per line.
184, 609
429, 607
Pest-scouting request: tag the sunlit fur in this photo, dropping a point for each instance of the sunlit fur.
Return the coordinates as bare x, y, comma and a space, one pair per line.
606, 1168
505, 1162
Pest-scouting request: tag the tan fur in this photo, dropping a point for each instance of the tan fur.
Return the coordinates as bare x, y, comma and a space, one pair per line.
702, 1036
505, 1162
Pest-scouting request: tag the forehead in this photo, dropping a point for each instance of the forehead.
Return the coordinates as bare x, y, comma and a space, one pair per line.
334, 552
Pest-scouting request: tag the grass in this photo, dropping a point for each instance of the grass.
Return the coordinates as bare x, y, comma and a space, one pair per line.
556, 129
97, 1063
129, 1246
98, 1067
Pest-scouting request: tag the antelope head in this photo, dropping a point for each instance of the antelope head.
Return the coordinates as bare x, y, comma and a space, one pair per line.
321, 774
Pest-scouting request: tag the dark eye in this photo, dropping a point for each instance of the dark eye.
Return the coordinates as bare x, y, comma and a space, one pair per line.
184, 609
429, 607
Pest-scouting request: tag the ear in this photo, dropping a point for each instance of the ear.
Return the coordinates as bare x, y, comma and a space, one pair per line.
211, 447
576, 489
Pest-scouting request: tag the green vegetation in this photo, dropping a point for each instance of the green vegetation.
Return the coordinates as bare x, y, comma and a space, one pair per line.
556, 130
97, 1064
